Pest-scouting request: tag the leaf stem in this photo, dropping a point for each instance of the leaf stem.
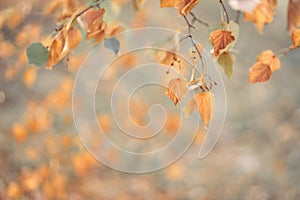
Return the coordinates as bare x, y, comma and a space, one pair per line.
283, 52
225, 11
190, 27
196, 19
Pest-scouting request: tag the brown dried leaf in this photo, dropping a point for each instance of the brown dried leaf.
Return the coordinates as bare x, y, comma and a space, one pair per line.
183, 6
268, 58
293, 15
220, 40
259, 72
205, 103
92, 15
296, 37
177, 89
262, 14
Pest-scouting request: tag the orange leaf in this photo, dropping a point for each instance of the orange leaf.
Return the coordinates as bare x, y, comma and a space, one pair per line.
268, 58
262, 14
177, 89
296, 37
259, 72
74, 37
220, 40
56, 52
293, 14
183, 6
92, 15
205, 103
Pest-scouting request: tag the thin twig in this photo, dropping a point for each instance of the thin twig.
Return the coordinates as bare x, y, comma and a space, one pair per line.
190, 27
225, 11
285, 51
196, 19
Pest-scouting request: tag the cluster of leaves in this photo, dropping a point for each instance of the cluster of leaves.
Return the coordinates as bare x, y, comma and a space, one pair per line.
69, 35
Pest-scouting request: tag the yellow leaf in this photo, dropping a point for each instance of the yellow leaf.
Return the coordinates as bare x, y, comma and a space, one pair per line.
262, 14
296, 37
293, 15
190, 107
177, 89
220, 40
183, 6
14, 190
268, 58
205, 104
259, 72
226, 61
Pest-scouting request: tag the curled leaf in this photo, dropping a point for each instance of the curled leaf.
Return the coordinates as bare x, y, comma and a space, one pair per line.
293, 15
269, 58
177, 89
92, 15
220, 40
205, 103
183, 6
259, 72
262, 14
296, 37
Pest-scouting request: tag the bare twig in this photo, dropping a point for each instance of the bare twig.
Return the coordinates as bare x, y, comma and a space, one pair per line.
190, 27
225, 11
196, 19
285, 51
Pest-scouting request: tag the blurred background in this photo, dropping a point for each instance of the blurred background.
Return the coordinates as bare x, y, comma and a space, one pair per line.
257, 156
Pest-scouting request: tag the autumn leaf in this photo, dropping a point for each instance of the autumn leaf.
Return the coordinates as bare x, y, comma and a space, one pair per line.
64, 41
268, 58
220, 40
92, 15
205, 102
183, 6
190, 107
262, 14
293, 15
226, 61
177, 89
259, 72
296, 38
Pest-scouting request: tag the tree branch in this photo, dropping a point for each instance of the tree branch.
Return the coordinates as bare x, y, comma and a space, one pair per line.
196, 19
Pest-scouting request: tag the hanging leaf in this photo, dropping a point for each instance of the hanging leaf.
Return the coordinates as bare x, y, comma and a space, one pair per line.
112, 44
205, 103
293, 15
177, 89
296, 38
226, 61
190, 107
220, 40
37, 54
262, 14
269, 58
183, 6
92, 15
74, 37
259, 72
